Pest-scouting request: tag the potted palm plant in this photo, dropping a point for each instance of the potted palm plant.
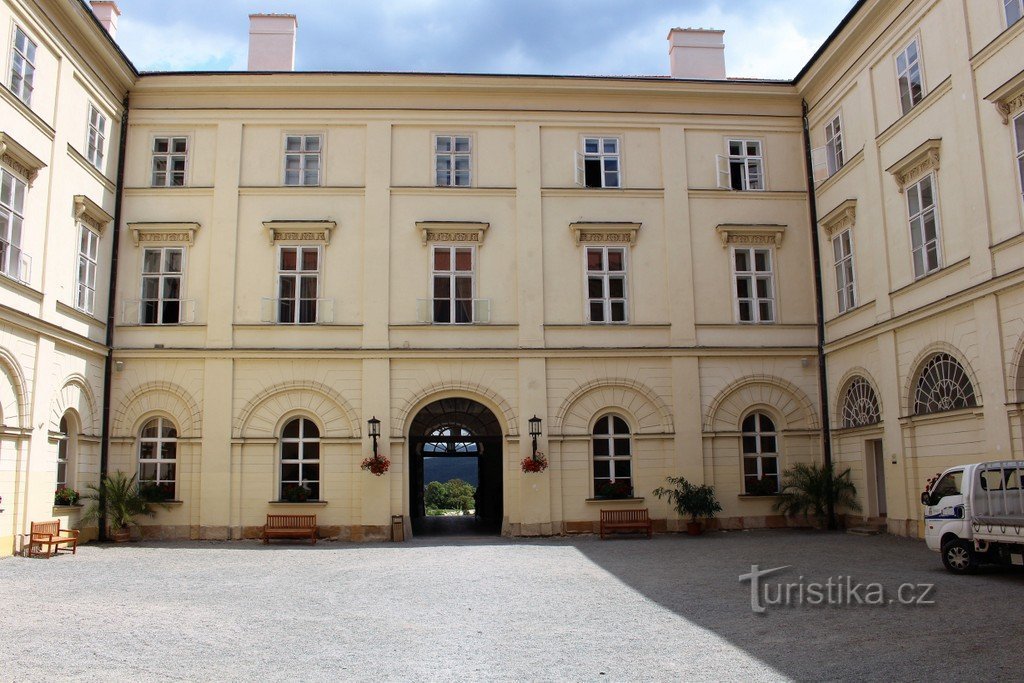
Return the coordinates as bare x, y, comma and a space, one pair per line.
117, 497
690, 500
807, 490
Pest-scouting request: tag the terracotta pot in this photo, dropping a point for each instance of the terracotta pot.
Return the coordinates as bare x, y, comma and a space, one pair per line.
694, 528
120, 535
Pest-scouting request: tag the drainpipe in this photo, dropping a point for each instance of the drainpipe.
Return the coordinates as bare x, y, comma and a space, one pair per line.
108, 364
819, 313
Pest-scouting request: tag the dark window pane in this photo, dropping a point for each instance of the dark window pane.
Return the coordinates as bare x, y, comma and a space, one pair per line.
167, 471
769, 466
311, 471
289, 450
768, 444
150, 312
595, 259
463, 288
601, 447
307, 311
620, 425
592, 172
171, 313
442, 259
597, 312
291, 430
766, 423
311, 450
290, 472
147, 471
442, 287
463, 311
442, 311
622, 469
750, 466
602, 468
615, 260
616, 287
749, 444
463, 259
314, 490
618, 312
289, 258
622, 446
601, 426
310, 259
595, 288
310, 430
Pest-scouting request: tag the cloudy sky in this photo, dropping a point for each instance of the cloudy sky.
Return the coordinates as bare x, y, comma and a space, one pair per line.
764, 38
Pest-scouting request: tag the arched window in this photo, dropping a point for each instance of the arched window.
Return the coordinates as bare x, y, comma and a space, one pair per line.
446, 445
300, 461
760, 455
943, 385
613, 450
158, 459
860, 405
64, 454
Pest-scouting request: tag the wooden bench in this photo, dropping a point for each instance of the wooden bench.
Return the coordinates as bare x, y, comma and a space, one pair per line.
49, 534
625, 520
290, 526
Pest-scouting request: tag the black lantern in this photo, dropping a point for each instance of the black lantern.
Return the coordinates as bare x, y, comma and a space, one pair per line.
535, 432
374, 425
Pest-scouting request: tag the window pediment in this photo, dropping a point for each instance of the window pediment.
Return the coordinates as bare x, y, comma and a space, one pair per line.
178, 233
90, 213
24, 162
923, 159
1008, 98
743, 233
452, 231
605, 233
840, 218
300, 231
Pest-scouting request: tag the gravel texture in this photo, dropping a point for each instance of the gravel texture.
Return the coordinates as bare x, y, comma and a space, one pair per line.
549, 609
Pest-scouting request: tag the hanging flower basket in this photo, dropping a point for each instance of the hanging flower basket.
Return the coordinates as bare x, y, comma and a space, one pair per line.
378, 464
535, 463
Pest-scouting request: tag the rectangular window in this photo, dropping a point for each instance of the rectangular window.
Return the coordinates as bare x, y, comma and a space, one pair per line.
452, 160
842, 249
924, 227
755, 285
302, 160
599, 164
1014, 11
162, 270
453, 280
834, 145
743, 168
908, 74
12, 217
1018, 136
97, 137
606, 285
170, 155
298, 278
88, 251
23, 66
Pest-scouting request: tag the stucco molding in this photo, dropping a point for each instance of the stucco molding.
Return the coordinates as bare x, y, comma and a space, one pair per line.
76, 394
18, 158
921, 160
92, 214
470, 232
576, 414
586, 232
175, 233
321, 402
158, 398
502, 409
752, 234
300, 231
18, 402
1015, 380
840, 218
914, 374
1008, 98
734, 402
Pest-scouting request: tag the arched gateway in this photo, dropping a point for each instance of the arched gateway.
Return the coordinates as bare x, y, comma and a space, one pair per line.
456, 435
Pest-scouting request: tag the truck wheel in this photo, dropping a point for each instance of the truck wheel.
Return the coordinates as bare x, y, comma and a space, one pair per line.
959, 557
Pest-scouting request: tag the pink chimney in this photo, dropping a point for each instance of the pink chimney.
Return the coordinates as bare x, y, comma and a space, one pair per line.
107, 12
272, 42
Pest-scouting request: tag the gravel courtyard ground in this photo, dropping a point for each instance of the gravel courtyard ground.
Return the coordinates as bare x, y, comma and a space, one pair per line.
548, 609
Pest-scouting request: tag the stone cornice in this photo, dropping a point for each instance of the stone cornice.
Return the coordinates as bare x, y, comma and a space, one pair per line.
183, 233
1008, 98
452, 231
604, 233
842, 217
300, 231
755, 234
90, 213
923, 159
22, 161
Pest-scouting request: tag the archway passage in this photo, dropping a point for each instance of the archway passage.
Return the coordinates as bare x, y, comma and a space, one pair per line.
462, 437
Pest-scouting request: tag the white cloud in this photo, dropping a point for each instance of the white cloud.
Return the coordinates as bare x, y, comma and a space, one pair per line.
179, 47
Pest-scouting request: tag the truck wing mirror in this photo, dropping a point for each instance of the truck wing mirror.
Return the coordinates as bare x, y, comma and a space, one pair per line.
925, 499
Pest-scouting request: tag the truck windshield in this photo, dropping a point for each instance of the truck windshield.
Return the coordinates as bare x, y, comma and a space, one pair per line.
949, 485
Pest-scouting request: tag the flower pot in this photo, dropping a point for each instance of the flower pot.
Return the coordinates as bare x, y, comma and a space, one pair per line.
120, 535
694, 528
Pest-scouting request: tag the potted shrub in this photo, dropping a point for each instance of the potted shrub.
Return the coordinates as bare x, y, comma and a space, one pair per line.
296, 493
614, 490
695, 502
66, 496
118, 498
808, 489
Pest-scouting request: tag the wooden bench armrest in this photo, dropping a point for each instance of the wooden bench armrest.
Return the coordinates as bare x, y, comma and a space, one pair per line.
41, 537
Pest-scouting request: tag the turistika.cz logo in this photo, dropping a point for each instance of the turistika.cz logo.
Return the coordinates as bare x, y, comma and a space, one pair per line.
837, 591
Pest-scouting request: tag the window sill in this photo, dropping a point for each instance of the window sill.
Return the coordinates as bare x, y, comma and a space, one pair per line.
307, 503
172, 503
78, 314
927, 101
64, 509
612, 500
21, 287
931, 277
758, 496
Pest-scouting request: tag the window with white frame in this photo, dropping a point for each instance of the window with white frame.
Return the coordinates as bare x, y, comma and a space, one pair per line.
834, 145
302, 159
452, 160
298, 284
12, 219
96, 138
158, 459
170, 156
599, 164
23, 65
88, 254
754, 284
908, 75
162, 274
453, 280
760, 455
612, 448
842, 251
924, 226
1018, 136
1014, 11
63, 452
300, 461
606, 285
743, 167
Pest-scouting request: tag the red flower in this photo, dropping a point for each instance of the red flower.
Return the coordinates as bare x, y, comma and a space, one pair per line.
377, 464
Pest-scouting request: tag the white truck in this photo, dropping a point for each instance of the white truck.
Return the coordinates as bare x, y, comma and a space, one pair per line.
974, 514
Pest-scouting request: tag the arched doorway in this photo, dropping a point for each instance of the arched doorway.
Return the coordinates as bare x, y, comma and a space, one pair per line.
456, 438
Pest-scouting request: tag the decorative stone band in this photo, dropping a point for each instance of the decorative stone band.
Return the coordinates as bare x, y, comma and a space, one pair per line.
1008, 98
840, 218
452, 231
20, 160
742, 233
89, 212
175, 233
300, 231
605, 233
922, 160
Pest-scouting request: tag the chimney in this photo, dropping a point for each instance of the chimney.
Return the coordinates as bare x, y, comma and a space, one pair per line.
272, 42
107, 13
697, 53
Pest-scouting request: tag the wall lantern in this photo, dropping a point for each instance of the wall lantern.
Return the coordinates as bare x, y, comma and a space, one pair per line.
374, 425
535, 432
